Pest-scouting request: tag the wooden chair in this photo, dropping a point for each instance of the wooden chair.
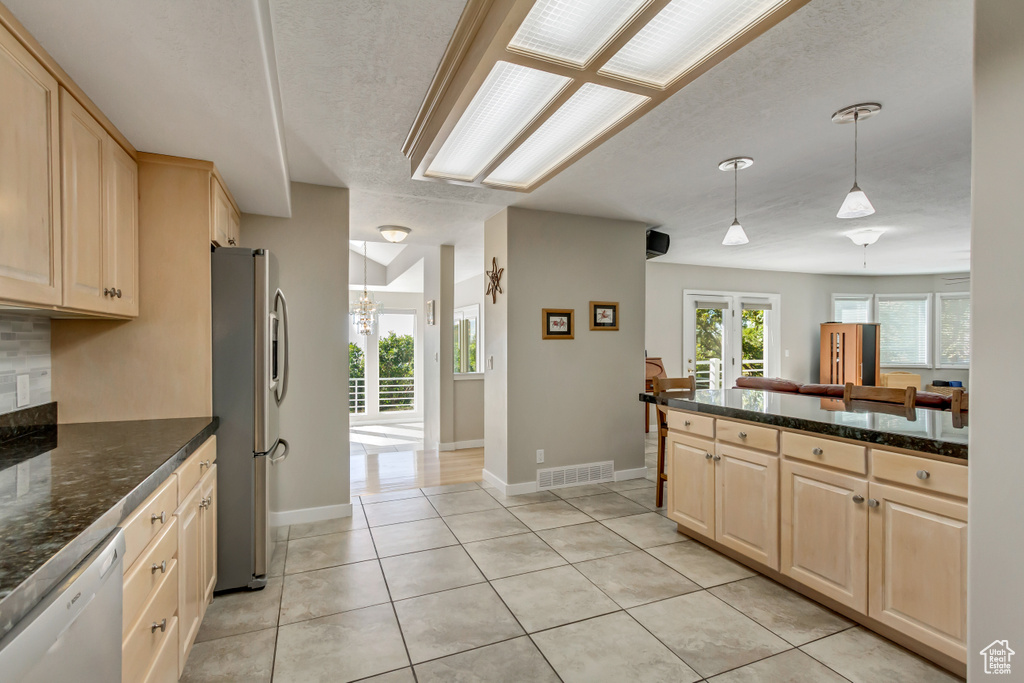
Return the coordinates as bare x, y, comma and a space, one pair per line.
906, 396
958, 406
662, 384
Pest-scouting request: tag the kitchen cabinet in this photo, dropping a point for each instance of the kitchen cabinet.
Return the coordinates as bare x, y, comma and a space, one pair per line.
691, 483
197, 553
224, 219
918, 567
30, 236
100, 216
747, 502
824, 530
209, 536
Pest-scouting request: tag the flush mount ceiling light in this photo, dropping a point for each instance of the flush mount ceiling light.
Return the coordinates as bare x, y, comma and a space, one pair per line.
394, 233
856, 204
735, 235
528, 87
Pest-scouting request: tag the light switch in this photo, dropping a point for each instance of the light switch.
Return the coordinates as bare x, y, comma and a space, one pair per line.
23, 395
490, 362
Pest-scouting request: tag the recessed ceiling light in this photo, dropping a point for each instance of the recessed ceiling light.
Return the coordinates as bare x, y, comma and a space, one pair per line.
508, 101
394, 233
681, 36
573, 31
591, 111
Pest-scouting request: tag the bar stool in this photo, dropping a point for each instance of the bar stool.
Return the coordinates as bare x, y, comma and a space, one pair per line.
663, 384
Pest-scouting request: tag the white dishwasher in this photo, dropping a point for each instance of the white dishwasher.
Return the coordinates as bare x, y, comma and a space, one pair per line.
74, 633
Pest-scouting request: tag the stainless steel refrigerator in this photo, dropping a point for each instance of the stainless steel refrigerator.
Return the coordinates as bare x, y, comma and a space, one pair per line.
250, 380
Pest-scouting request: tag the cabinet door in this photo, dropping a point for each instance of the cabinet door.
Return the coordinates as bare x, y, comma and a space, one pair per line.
208, 485
918, 568
824, 532
82, 160
190, 587
220, 218
691, 478
30, 241
747, 503
121, 252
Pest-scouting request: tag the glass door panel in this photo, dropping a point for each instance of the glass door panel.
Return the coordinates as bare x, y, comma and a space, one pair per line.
396, 353
711, 341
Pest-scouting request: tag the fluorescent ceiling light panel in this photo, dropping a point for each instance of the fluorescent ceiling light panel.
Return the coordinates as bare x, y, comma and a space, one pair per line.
681, 36
591, 111
510, 98
573, 31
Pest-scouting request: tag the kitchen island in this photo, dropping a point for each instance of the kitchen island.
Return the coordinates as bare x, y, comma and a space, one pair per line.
862, 507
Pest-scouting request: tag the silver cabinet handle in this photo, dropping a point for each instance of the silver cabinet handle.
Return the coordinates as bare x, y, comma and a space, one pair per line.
872, 503
162, 517
923, 474
717, 458
742, 435
118, 293
162, 567
231, 241
686, 423
204, 463
857, 498
108, 292
708, 456
162, 626
817, 451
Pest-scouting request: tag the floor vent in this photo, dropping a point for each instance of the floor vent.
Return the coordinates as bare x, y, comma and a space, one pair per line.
557, 477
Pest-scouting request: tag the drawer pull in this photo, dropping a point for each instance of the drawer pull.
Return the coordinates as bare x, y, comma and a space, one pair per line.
162, 626
162, 567
708, 456
817, 451
923, 474
717, 458
872, 503
686, 423
162, 517
858, 499
203, 463
742, 435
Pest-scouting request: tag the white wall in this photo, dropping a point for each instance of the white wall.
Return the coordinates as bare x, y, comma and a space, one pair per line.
376, 274
806, 303
996, 533
312, 251
495, 357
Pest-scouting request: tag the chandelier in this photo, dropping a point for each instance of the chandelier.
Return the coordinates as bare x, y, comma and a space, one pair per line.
365, 312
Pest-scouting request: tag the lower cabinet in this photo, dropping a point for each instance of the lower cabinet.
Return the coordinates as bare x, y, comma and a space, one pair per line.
197, 550
747, 503
691, 483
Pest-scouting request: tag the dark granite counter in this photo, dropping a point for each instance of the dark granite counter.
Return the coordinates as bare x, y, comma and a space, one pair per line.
64, 488
924, 430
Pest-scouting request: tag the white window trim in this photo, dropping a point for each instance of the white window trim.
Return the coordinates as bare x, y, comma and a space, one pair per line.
928, 325
937, 330
472, 311
870, 298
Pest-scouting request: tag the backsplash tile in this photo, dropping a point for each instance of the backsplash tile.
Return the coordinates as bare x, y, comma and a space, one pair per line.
24, 348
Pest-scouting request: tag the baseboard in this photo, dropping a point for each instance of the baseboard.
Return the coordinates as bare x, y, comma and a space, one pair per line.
459, 445
636, 473
307, 515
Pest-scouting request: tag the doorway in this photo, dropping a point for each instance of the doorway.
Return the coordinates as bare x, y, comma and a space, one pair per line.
384, 382
727, 335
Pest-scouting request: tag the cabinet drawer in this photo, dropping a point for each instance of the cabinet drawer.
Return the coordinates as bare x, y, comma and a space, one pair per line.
165, 666
195, 466
148, 520
919, 473
143, 643
822, 451
689, 423
142, 580
751, 436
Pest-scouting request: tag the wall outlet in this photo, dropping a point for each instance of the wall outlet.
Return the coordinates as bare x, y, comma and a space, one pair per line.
23, 397
540, 456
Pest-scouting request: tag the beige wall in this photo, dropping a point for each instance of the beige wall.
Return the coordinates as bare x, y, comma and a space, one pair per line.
576, 399
312, 252
806, 303
996, 533
469, 410
495, 357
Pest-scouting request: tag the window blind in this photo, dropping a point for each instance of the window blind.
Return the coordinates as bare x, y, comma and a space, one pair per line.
849, 309
904, 330
954, 330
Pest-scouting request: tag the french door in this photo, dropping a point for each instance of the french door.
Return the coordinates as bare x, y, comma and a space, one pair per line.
730, 334
389, 387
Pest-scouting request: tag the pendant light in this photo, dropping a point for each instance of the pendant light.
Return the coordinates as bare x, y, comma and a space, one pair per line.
365, 312
735, 234
856, 204
864, 237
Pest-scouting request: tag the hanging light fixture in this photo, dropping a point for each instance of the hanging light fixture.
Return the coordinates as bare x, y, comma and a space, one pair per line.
864, 237
394, 233
735, 235
365, 312
856, 204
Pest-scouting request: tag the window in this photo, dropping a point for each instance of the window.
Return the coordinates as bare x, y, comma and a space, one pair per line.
852, 308
905, 321
953, 330
466, 335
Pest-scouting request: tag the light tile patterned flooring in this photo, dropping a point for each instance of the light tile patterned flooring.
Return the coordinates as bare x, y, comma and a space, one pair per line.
459, 583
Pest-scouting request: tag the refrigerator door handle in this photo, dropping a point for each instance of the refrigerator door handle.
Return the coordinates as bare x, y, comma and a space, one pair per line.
282, 386
271, 459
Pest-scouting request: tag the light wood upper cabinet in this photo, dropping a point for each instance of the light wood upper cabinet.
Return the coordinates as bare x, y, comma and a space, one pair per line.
691, 484
747, 503
824, 529
918, 567
30, 240
224, 220
100, 202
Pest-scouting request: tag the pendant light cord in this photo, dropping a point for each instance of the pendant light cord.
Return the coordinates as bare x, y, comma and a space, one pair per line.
856, 116
735, 180
364, 269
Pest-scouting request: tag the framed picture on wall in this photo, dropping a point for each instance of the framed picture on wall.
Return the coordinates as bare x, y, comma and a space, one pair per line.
558, 323
604, 315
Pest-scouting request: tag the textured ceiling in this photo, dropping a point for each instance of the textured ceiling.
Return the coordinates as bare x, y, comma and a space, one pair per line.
196, 79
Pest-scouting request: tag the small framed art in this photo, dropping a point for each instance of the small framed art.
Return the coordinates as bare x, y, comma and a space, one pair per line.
604, 315
558, 323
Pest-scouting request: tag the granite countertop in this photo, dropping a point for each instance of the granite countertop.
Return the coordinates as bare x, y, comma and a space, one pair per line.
923, 430
64, 488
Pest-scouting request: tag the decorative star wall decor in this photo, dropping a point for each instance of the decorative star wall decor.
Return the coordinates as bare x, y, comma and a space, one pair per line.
494, 281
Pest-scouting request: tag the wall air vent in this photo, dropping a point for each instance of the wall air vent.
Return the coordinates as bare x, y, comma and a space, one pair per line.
575, 475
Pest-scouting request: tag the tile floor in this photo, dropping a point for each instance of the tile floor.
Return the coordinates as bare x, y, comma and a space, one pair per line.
459, 583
